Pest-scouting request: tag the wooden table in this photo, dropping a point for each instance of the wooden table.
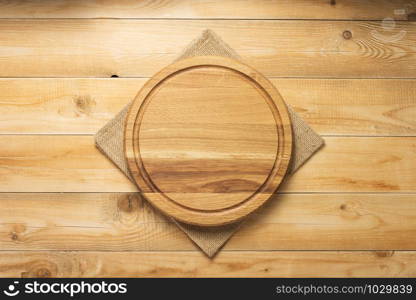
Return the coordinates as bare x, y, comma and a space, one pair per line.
350, 211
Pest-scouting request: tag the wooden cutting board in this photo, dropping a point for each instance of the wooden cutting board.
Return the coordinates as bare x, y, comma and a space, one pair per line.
208, 140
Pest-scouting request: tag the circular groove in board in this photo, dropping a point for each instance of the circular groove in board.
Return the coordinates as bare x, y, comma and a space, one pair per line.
208, 140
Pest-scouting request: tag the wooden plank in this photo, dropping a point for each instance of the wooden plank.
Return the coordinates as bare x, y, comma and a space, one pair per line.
123, 222
129, 47
63, 163
353, 107
330, 106
249, 9
195, 264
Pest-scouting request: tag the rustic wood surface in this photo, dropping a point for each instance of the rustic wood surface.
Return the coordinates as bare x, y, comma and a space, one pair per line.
195, 264
276, 48
65, 210
123, 222
210, 9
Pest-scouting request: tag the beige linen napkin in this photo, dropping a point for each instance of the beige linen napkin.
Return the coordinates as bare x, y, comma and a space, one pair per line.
109, 140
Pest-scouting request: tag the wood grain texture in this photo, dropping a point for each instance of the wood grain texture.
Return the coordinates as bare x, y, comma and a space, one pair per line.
367, 183
123, 222
194, 264
136, 48
73, 164
330, 106
238, 9
208, 140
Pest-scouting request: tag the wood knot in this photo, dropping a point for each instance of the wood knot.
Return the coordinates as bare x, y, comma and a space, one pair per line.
333, 2
383, 254
84, 104
128, 203
343, 207
41, 269
16, 230
347, 34
14, 236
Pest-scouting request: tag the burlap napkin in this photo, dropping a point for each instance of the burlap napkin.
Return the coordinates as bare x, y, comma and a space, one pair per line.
210, 239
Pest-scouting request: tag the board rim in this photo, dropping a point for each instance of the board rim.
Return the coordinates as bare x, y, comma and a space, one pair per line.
211, 217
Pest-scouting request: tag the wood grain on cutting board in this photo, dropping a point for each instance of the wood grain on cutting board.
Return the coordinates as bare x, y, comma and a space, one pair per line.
349, 211
208, 140
124, 222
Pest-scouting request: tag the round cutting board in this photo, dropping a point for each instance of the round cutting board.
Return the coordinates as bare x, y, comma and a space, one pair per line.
208, 140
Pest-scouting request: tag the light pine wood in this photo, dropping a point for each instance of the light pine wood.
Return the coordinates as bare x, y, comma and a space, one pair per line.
208, 140
195, 264
235, 9
73, 164
128, 48
123, 222
336, 86
330, 106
